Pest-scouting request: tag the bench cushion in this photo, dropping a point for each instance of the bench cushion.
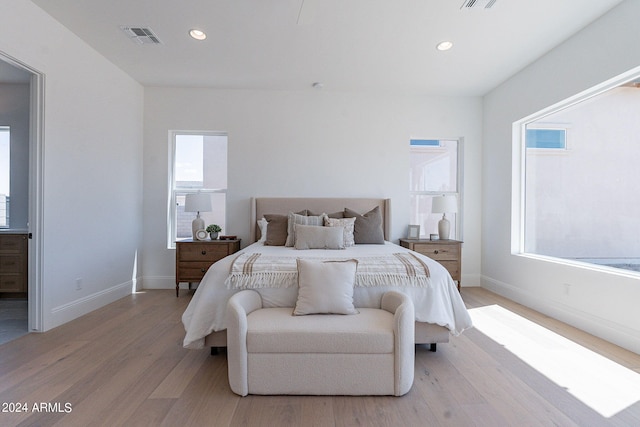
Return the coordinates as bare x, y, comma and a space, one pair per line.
276, 330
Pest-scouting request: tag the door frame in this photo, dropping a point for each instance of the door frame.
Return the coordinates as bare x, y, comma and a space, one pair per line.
36, 181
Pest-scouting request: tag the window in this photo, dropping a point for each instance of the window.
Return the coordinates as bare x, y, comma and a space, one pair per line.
542, 138
578, 200
434, 171
198, 164
5, 175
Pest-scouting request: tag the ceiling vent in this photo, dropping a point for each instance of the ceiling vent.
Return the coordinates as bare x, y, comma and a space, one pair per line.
141, 35
478, 4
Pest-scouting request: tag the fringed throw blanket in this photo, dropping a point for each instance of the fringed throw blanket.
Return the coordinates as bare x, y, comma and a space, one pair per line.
256, 270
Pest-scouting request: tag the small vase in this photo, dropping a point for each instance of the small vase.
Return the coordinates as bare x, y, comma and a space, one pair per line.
213, 235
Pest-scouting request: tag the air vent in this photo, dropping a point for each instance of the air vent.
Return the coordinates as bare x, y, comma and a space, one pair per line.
478, 4
141, 35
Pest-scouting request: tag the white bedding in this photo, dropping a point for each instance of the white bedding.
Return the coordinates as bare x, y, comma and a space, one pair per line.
439, 302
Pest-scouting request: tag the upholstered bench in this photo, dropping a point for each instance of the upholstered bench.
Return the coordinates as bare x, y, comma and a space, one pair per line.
271, 351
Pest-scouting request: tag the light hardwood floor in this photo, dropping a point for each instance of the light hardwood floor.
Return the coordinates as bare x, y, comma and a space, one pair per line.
124, 365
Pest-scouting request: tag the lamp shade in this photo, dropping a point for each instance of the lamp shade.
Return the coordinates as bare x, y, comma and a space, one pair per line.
197, 202
444, 204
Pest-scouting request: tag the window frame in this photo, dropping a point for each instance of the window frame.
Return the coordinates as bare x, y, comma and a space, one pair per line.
174, 190
428, 142
519, 154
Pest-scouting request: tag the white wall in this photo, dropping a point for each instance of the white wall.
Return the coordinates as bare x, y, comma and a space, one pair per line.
306, 143
601, 303
92, 199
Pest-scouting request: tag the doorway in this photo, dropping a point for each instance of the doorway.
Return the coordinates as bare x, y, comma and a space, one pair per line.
21, 114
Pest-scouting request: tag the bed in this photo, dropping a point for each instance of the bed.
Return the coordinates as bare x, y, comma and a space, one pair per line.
440, 311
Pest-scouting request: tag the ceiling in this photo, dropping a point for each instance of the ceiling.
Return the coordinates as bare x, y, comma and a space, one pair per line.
352, 45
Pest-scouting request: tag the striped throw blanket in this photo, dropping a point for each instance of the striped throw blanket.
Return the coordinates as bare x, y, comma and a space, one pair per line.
256, 270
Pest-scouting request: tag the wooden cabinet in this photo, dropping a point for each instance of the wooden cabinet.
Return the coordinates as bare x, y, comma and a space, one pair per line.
446, 252
13, 263
193, 258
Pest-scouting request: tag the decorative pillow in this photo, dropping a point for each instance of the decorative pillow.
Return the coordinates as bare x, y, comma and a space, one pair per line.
294, 219
277, 229
325, 287
347, 224
331, 215
262, 226
368, 227
314, 237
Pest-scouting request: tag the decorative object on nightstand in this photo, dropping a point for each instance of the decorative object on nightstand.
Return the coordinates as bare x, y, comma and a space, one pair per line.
446, 252
443, 204
197, 202
193, 258
213, 230
414, 232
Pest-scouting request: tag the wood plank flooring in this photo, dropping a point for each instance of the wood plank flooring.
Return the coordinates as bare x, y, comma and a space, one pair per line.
124, 365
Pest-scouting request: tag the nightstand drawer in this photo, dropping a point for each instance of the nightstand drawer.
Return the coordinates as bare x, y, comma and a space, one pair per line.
193, 271
204, 252
446, 252
438, 252
13, 244
12, 283
453, 267
11, 264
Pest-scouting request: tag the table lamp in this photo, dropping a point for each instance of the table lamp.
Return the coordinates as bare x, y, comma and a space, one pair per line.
443, 204
197, 202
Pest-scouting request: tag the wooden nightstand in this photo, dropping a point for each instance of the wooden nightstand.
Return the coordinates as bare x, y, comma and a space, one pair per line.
193, 258
446, 252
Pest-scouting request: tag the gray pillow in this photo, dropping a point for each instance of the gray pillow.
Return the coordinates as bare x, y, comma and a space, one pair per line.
276, 229
314, 237
368, 227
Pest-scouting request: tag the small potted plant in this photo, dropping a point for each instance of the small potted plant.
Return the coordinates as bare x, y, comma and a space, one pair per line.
213, 230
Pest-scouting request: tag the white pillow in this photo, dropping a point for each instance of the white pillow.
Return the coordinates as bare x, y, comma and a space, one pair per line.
325, 287
348, 224
262, 224
314, 237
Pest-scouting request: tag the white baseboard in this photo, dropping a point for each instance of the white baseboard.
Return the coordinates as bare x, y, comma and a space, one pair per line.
603, 328
160, 282
74, 309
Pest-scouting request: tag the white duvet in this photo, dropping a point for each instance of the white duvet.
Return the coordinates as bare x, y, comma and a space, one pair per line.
438, 302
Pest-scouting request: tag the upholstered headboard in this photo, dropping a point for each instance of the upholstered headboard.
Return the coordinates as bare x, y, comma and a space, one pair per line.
283, 205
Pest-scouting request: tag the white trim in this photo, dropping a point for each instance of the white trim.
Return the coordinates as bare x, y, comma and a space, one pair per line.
159, 282
74, 309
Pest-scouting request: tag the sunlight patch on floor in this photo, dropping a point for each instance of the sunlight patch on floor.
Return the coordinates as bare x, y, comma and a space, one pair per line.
598, 382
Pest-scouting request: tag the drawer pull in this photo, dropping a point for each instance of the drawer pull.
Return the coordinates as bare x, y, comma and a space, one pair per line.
203, 270
204, 252
435, 252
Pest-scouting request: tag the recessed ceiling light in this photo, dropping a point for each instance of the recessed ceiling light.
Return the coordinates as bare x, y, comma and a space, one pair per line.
446, 45
197, 34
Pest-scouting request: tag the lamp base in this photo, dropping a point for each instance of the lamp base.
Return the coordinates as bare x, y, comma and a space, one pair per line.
197, 224
444, 227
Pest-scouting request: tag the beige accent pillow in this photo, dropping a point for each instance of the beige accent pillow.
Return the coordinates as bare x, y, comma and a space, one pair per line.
325, 287
314, 237
347, 224
294, 218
